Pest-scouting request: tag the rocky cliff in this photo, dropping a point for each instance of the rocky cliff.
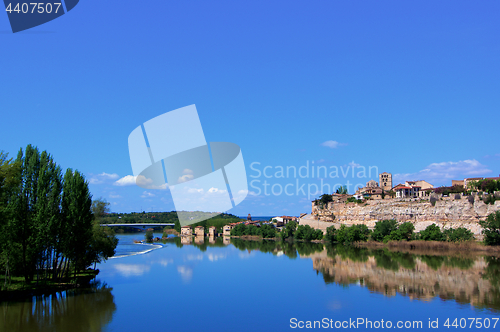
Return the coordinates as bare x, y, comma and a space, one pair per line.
446, 212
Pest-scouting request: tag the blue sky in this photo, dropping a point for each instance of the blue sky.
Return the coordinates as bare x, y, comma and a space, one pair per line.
408, 87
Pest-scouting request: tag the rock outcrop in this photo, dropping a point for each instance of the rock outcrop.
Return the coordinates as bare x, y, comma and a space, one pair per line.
445, 213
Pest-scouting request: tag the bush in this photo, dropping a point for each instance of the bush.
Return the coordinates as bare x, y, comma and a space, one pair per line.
489, 199
306, 232
354, 200
383, 228
355, 233
433, 200
403, 232
471, 199
432, 233
289, 230
406, 230
149, 235
458, 234
331, 234
491, 229
267, 231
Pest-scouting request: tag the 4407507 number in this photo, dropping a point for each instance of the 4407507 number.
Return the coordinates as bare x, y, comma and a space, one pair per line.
34, 8
471, 323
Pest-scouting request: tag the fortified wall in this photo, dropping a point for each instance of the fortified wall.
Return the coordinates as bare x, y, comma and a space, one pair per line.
447, 212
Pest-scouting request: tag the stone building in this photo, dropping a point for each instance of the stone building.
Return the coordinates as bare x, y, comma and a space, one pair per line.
385, 180
199, 231
420, 183
212, 231
186, 231
226, 230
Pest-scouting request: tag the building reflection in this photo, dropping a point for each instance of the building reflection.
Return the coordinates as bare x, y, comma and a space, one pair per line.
186, 240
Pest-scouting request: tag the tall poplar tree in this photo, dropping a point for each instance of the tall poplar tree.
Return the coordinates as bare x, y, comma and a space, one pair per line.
77, 216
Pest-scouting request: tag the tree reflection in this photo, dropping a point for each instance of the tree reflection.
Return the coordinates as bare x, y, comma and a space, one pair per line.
72, 310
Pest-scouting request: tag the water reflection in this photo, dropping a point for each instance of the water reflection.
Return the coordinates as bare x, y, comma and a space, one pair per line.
471, 280
73, 310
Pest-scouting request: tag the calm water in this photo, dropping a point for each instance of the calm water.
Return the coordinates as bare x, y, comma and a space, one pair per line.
260, 286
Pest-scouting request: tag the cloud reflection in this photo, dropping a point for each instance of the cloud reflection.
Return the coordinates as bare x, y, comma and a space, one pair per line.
128, 270
186, 273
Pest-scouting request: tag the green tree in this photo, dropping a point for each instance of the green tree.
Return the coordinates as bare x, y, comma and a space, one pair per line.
267, 231
432, 233
342, 190
355, 233
76, 210
100, 207
383, 228
177, 225
491, 229
458, 234
331, 234
102, 245
406, 230
325, 199
24, 198
306, 232
149, 235
9, 181
289, 230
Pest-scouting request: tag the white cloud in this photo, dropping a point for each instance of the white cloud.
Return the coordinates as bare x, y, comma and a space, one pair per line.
100, 178
332, 144
444, 172
127, 180
114, 196
147, 194
109, 176
185, 178
140, 180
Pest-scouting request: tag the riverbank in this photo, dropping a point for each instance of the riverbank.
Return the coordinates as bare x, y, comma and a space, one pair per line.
440, 247
18, 289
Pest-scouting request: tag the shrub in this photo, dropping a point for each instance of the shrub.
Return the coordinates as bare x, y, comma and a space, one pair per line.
238, 230
489, 199
471, 199
355, 233
433, 200
432, 233
458, 234
267, 231
491, 229
354, 200
289, 230
306, 232
149, 235
331, 234
406, 229
383, 228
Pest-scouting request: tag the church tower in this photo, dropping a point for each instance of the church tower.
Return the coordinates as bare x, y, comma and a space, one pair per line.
385, 180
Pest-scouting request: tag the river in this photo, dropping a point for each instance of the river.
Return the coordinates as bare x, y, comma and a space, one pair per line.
236, 285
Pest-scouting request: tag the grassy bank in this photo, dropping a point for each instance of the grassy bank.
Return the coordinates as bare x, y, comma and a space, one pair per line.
18, 289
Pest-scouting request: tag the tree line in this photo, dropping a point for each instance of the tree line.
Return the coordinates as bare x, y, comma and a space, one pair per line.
390, 230
47, 223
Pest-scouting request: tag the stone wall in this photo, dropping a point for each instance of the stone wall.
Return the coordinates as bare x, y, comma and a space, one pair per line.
447, 212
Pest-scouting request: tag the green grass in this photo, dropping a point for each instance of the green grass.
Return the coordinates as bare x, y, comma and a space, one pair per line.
18, 285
